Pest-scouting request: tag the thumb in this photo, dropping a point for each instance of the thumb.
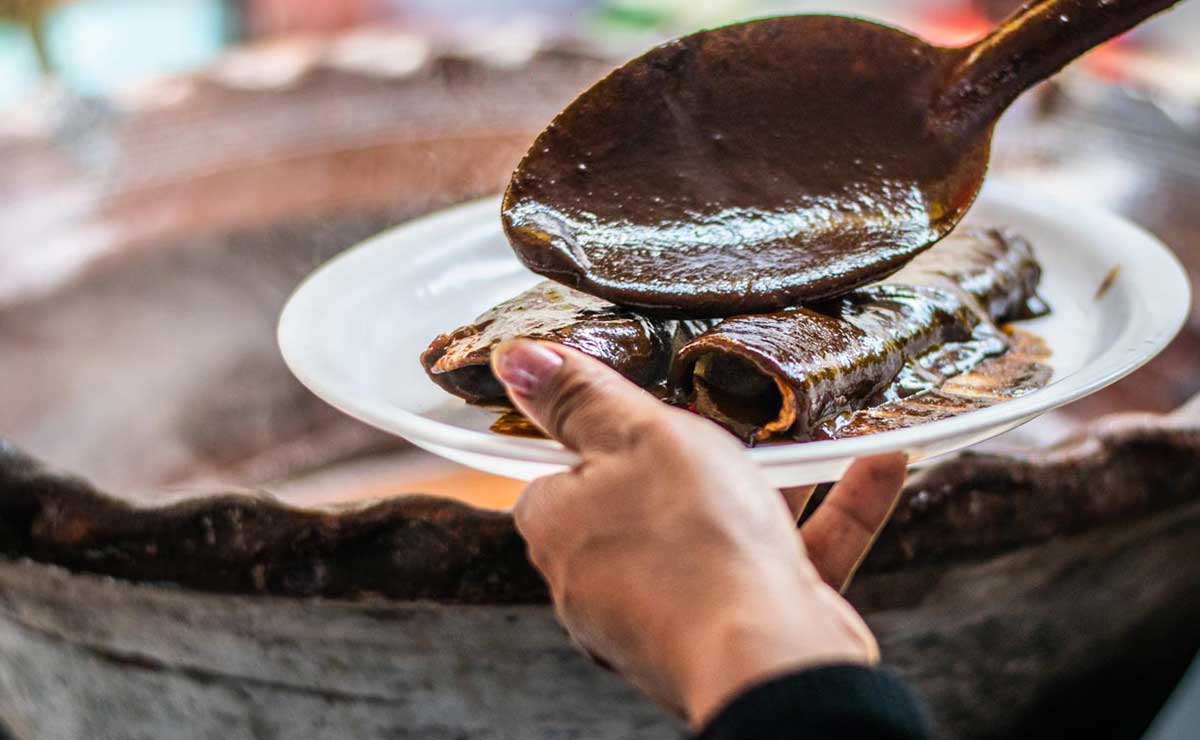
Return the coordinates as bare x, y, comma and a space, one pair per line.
576, 399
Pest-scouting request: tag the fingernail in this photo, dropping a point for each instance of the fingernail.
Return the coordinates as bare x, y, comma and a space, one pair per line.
525, 366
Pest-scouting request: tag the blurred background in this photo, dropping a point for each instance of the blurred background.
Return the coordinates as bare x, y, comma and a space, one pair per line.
100, 47
170, 169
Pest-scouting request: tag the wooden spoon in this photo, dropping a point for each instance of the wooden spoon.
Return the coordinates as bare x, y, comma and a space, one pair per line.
782, 160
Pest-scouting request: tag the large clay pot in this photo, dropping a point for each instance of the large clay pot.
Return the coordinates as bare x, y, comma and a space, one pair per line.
1024, 594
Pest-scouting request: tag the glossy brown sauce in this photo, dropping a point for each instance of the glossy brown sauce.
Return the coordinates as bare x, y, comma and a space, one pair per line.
515, 424
822, 362
933, 319
740, 170
637, 346
1022, 369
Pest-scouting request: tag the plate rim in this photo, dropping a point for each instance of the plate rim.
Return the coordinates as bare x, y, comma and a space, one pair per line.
1164, 319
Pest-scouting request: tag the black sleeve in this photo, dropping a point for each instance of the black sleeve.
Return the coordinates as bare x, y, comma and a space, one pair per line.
839, 701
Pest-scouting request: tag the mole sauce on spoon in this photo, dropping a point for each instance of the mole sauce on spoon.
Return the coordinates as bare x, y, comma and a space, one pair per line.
778, 161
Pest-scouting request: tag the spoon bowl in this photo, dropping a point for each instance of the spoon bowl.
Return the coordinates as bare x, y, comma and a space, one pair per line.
778, 161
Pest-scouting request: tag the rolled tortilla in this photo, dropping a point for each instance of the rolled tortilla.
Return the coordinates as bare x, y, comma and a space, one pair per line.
637, 346
782, 374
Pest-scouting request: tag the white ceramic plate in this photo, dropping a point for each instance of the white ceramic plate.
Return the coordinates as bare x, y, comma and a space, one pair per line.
354, 329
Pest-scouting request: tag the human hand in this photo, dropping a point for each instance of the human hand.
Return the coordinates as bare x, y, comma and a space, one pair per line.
667, 553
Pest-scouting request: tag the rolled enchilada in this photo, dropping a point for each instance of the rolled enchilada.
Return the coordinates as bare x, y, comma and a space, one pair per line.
637, 346
783, 374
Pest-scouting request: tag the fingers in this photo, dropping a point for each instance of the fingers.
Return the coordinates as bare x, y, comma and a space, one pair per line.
578, 400
843, 528
797, 498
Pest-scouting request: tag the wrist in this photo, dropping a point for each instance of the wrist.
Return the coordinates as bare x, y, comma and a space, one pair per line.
742, 646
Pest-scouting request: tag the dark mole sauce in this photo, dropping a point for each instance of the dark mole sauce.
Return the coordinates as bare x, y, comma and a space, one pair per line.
745, 169
1021, 369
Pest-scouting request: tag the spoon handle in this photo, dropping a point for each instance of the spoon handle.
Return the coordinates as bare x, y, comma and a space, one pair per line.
1030, 45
